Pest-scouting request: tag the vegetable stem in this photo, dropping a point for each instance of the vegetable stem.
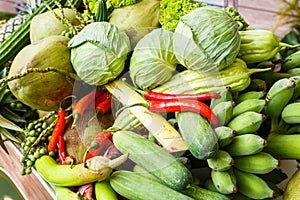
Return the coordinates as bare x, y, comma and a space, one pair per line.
38, 70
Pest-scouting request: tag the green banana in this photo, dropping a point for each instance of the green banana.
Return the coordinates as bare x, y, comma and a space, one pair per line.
223, 111
225, 135
209, 184
291, 113
252, 186
276, 176
246, 144
296, 93
247, 122
277, 191
278, 96
291, 61
265, 64
294, 71
250, 95
277, 58
255, 105
293, 129
283, 146
239, 196
221, 162
259, 163
225, 95
272, 76
257, 84
224, 181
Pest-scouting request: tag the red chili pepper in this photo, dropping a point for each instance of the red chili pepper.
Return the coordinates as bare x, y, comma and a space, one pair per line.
86, 191
157, 96
100, 99
98, 144
83, 103
182, 106
104, 106
58, 130
62, 154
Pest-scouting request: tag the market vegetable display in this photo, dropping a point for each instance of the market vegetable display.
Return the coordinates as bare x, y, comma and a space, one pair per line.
152, 105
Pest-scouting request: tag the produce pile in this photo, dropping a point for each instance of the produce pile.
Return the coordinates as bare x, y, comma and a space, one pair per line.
125, 99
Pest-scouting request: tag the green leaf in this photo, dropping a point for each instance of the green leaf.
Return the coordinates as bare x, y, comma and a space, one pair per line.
8, 124
10, 115
8, 135
3, 145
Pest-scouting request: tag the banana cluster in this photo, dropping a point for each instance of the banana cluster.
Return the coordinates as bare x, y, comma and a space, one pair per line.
241, 167
284, 139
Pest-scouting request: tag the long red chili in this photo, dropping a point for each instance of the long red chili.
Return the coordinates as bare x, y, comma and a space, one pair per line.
58, 130
100, 99
62, 154
182, 106
83, 103
158, 96
99, 142
104, 106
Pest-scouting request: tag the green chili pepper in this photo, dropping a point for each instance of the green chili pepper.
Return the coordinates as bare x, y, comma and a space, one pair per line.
98, 169
103, 191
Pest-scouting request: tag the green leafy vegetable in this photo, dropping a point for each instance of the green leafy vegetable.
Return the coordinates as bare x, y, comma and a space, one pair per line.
209, 43
120, 3
99, 52
8, 124
238, 18
157, 47
172, 10
8, 135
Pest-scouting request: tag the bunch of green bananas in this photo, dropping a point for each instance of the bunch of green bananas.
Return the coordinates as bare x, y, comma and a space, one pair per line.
284, 139
241, 167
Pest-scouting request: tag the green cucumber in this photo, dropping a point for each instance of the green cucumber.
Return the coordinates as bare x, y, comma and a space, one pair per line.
199, 193
201, 139
153, 158
130, 185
